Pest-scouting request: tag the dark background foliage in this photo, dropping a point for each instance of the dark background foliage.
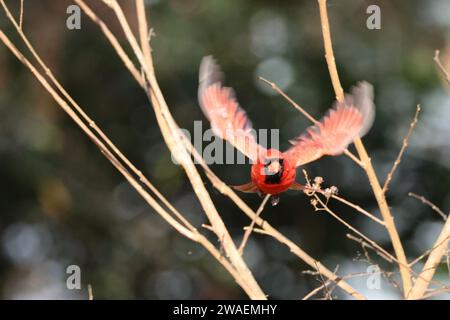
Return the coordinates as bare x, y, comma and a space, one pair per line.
62, 203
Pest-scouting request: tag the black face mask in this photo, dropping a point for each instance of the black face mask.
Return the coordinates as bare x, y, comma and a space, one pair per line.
270, 177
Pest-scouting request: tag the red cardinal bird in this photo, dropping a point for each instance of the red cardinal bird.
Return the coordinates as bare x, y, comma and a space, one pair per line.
273, 172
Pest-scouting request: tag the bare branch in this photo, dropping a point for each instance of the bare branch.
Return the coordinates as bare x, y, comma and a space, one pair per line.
328, 282
426, 253
249, 230
365, 244
402, 150
367, 165
344, 201
327, 295
325, 208
292, 102
434, 207
21, 15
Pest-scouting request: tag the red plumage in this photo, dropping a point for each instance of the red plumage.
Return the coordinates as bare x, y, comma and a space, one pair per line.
273, 172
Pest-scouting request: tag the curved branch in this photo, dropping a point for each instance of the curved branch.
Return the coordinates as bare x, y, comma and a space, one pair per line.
367, 165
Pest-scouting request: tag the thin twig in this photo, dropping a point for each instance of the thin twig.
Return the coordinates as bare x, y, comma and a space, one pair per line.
391, 259
424, 200
21, 15
249, 230
382, 252
365, 244
426, 253
113, 41
144, 34
259, 230
402, 150
117, 9
368, 259
349, 276
325, 208
292, 102
305, 113
328, 295
313, 292
346, 202
359, 209
367, 165
441, 67
316, 200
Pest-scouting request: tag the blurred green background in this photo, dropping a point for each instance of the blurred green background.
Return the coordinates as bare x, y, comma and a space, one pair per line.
62, 203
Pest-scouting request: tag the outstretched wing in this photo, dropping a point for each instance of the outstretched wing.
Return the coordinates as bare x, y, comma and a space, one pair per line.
228, 120
343, 123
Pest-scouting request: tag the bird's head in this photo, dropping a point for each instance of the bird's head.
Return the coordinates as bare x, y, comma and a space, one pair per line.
271, 166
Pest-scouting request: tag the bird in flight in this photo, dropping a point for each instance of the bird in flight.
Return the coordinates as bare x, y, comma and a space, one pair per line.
273, 171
